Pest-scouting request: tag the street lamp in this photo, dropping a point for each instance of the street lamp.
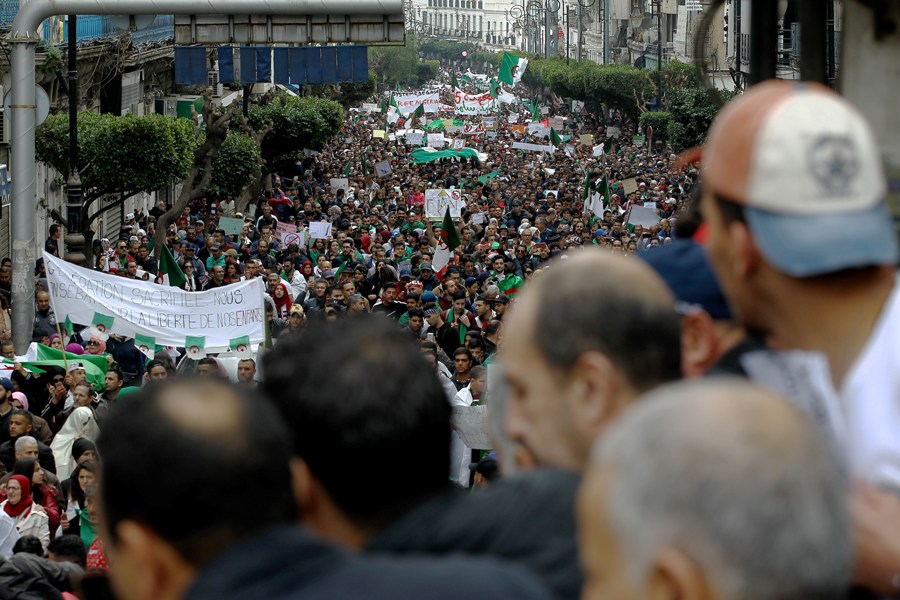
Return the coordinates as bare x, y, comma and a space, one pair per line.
659, 78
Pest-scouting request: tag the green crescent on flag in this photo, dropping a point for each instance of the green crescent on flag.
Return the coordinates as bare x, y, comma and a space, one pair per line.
146, 344
195, 346
240, 345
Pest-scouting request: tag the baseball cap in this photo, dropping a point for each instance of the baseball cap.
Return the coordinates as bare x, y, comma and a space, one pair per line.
426, 267
685, 268
806, 167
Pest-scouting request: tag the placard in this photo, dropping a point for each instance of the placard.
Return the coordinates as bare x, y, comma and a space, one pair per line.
414, 138
479, 218
557, 123
638, 140
131, 307
435, 140
470, 423
378, 134
437, 201
549, 148
231, 226
587, 139
613, 131
629, 186
319, 230
339, 183
639, 215
383, 168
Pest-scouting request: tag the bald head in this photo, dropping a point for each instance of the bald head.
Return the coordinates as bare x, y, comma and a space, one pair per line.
185, 444
582, 342
730, 478
611, 304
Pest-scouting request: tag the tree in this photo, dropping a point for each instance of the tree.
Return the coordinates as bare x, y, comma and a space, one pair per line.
235, 164
215, 130
119, 156
297, 124
693, 110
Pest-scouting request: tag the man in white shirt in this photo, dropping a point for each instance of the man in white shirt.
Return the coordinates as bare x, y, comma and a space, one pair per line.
459, 452
805, 250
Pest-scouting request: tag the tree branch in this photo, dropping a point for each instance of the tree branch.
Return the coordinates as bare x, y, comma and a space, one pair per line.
122, 198
59, 218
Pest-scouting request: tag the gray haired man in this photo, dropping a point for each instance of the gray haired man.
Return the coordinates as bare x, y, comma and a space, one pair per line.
714, 490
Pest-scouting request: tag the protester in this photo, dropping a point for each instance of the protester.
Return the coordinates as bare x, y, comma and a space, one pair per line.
219, 552
714, 489
831, 292
29, 516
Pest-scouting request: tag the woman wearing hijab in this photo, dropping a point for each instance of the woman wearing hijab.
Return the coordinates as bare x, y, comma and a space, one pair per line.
41, 492
95, 345
74, 348
56, 341
29, 517
282, 298
80, 424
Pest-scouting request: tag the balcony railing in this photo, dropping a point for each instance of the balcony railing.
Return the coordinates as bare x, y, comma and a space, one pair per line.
91, 27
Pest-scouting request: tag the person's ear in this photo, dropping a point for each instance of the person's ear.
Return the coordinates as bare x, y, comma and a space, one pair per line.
698, 343
146, 565
596, 389
745, 253
674, 576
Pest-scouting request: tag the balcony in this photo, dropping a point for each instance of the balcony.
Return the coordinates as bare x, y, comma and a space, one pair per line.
91, 27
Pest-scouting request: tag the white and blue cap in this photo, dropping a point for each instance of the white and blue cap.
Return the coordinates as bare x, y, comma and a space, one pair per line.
806, 167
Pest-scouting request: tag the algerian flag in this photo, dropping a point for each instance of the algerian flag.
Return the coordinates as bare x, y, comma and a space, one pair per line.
146, 344
347, 169
604, 189
454, 82
435, 125
68, 326
511, 68
510, 285
195, 346
420, 110
399, 89
424, 155
240, 345
101, 324
488, 176
495, 88
447, 243
555, 139
466, 78
169, 271
95, 365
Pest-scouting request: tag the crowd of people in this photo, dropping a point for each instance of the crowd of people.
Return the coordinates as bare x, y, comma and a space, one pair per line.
702, 407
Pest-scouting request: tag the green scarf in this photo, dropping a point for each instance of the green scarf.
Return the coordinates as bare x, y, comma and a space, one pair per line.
462, 328
88, 529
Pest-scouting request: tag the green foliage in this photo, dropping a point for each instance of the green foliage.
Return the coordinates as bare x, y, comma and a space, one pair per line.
619, 86
693, 110
428, 70
659, 121
677, 74
347, 94
120, 154
401, 64
298, 123
235, 165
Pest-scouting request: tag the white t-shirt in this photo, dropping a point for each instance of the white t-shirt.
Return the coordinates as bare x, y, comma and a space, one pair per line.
870, 399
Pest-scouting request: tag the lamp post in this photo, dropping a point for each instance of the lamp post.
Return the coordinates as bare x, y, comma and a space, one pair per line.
659, 77
74, 238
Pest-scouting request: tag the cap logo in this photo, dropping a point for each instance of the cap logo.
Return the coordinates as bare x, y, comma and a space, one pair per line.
834, 164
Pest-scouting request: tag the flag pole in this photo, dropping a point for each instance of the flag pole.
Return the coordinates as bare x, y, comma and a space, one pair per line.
65, 360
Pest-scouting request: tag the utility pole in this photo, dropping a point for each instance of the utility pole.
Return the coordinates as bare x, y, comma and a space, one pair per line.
74, 237
659, 78
580, 48
606, 32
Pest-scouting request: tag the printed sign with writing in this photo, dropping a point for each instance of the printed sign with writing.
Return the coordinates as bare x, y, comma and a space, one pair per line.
414, 138
436, 140
339, 183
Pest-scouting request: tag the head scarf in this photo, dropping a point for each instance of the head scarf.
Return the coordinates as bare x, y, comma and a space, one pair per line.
25, 502
21, 398
283, 304
82, 445
100, 344
55, 336
80, 424
74, 348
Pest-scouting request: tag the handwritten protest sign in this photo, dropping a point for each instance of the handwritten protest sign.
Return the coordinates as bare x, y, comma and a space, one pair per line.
437, 201
319, 230
630, 185
470, 423
383, 169
339, 183
167, 314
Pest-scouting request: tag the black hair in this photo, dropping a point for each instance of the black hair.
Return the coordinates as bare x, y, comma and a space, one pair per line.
26, 467
69, 548
347, 428
156, 363
28, 544
75, 491
118, 372
416, 312
197, 467
18, 412
466, 351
